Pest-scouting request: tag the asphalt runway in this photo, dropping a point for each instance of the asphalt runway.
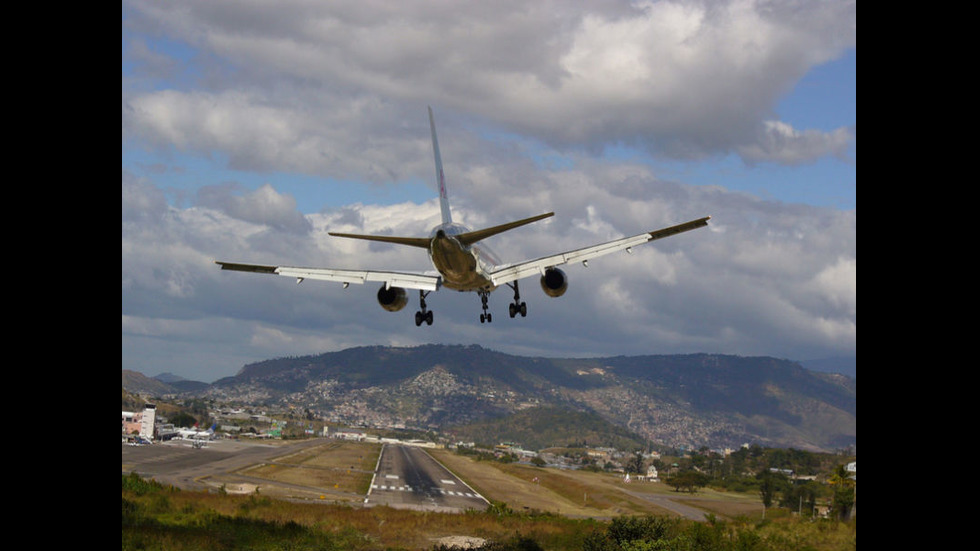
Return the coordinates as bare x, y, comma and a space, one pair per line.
408, 477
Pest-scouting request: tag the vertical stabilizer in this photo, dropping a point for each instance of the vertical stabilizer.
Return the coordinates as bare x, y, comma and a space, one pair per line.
447, 216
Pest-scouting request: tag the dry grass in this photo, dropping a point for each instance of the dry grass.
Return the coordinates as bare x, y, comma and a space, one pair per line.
387, 528
340, 472
336, 471
569, 493
192, 515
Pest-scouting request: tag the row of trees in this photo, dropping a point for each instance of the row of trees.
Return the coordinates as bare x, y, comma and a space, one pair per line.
820, 477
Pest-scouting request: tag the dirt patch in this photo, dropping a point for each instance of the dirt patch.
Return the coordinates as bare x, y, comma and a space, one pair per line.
461, 542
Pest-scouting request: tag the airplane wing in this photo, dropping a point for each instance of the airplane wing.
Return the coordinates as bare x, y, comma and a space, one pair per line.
408, 280
510, 272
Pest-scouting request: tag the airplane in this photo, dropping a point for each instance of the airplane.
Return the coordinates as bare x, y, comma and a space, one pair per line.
461, 261
193, 434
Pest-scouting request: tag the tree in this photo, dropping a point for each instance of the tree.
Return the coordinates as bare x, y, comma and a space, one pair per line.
635, 464
690, 481
183, 420
770, 483
844, 492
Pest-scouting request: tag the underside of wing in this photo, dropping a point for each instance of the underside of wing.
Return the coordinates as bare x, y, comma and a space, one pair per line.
407, 280
518, 270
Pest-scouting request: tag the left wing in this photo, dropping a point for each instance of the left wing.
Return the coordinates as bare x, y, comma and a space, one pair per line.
510, 272
408, 280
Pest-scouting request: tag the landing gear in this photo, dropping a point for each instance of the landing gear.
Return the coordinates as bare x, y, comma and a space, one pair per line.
423, 314
517, 307
485, 316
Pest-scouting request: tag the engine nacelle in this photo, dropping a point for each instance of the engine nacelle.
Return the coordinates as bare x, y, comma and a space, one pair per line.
392, 299
554, 282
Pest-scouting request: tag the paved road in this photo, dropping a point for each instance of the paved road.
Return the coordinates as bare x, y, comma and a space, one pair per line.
668, 503
408, 477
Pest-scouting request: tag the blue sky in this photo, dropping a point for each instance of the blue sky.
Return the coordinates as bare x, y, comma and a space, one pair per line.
251, 131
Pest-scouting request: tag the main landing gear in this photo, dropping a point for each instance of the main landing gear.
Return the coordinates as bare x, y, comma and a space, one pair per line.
423, 314
517, 307
485, 316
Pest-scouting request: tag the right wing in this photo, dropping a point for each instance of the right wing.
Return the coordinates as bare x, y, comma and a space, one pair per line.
408, 280
510, 272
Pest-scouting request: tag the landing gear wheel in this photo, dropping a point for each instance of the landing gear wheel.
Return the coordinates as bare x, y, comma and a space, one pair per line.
485, 316
517, 307
423, 314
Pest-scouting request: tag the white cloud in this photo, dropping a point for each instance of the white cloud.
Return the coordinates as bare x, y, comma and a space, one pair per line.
263, 206
684, 79
781, 143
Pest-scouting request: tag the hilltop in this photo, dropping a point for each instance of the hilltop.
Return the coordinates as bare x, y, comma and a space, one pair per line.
670, 400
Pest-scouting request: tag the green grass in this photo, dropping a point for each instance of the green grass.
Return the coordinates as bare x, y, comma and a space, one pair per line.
157, 517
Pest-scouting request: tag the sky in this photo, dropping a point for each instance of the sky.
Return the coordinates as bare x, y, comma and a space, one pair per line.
251, 129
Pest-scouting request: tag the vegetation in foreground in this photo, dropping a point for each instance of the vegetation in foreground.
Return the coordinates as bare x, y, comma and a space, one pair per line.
158, 517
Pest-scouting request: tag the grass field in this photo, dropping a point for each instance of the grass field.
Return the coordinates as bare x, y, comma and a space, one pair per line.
583, 493
556, 509
340, 472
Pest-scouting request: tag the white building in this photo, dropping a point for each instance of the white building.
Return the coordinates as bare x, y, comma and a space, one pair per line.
146, 425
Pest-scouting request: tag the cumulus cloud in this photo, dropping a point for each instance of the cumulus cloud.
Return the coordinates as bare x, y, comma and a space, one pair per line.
263, 206
680, 79
780, 143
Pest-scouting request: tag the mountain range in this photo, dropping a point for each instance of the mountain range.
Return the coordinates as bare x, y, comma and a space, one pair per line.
472, 393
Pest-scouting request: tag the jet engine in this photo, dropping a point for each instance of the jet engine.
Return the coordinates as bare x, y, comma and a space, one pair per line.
554, 283
392, 299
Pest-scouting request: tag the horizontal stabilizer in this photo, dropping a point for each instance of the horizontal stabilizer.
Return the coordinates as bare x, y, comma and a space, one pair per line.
465, 239
422, 242
469, 238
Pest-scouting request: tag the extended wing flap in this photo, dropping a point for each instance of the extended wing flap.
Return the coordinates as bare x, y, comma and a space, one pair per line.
511, 272
408, 280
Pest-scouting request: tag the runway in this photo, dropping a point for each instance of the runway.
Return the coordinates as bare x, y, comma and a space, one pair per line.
405, 476
408, 477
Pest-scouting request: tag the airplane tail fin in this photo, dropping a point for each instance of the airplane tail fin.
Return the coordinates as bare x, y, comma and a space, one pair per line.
447, 216
467, 238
